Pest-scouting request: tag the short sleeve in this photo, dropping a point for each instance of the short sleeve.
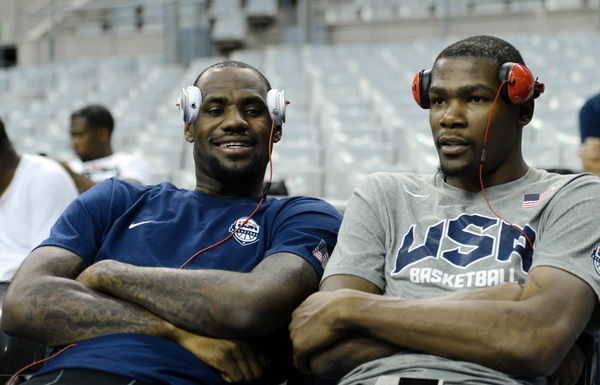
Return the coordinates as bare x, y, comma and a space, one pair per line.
570, 237
360, 250
84, 222
306, 227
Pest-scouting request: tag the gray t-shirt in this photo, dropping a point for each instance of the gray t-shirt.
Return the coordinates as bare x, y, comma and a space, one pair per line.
416, 236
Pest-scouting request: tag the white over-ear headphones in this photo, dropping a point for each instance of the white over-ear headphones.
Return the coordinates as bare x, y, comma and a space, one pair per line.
191, 100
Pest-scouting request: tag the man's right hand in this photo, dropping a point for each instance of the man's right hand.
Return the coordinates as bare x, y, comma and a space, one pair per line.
236, 360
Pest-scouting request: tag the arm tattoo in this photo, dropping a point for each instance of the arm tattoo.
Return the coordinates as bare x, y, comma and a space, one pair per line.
216, 302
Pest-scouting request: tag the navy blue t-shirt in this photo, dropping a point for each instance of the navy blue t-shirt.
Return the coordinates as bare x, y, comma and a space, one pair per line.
163, 226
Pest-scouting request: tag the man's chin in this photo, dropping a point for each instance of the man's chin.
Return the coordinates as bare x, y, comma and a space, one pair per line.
462, 171
238, 174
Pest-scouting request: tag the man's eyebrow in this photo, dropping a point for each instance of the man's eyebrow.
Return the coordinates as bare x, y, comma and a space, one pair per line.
465, 90
250, 99
215, 100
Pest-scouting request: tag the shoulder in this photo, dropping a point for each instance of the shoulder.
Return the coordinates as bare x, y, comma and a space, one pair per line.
122, 190
47, 174
568, 182
41, 165
302, 204
395, 182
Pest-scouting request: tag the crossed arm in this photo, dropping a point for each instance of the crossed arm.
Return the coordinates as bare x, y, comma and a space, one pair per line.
49, 300
525, 331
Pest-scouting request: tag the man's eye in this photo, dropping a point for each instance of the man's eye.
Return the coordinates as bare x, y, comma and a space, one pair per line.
215, 111
254, 112
477, 99
437, 100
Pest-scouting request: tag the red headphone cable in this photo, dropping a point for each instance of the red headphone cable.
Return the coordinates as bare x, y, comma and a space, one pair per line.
262, 198
190, 259
14, 376
483, 153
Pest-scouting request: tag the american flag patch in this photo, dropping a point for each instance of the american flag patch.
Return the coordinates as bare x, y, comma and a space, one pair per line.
533, 200
321, 253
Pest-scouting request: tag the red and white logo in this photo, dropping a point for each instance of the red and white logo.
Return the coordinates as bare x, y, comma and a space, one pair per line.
246, 235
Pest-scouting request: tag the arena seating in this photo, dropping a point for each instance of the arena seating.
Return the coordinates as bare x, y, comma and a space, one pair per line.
352, 112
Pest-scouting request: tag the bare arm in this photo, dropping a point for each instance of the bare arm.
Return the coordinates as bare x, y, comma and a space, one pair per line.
45, 303
590, 155
356, 348
83, 183
530, 336
212, 302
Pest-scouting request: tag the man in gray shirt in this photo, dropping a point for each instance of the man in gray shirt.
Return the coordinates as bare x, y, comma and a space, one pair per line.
486, 272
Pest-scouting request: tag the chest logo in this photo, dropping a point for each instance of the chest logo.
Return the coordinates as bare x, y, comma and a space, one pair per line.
246, 235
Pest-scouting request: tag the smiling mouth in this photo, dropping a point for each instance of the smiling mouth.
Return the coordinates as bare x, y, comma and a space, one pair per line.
234, 145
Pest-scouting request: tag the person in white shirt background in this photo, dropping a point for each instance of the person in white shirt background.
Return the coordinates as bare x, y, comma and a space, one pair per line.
34, 191
91, 130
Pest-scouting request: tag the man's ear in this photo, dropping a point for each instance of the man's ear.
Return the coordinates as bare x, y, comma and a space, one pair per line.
188, 132
526, 112
104, 135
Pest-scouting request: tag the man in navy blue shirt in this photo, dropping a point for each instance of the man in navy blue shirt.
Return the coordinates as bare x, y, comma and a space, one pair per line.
159, 285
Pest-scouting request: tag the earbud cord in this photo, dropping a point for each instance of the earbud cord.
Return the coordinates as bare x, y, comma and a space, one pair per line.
483, 153
190, 259
262, 198
14, 376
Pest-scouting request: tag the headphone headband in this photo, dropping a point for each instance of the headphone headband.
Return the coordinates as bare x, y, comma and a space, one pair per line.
190, 101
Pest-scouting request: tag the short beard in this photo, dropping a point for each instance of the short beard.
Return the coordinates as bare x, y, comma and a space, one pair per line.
248, 176
467, 172
242, 180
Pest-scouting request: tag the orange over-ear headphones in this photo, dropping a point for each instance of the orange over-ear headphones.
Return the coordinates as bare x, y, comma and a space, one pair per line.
519, 85
191, 99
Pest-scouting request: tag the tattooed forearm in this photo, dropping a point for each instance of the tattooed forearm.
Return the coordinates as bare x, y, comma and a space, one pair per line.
46, 304
212, 302
57, 316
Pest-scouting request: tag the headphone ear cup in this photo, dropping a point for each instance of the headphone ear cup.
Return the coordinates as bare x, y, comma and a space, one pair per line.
276, 105
520, 83
420, 88
189, 103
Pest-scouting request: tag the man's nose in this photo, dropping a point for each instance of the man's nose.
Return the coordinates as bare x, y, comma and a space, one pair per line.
234, 120
454, 115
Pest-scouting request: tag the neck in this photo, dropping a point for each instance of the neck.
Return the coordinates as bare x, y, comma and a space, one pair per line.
489, 178
226, 190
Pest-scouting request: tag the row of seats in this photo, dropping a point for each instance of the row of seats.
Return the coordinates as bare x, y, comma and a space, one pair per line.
341, 12
351, 109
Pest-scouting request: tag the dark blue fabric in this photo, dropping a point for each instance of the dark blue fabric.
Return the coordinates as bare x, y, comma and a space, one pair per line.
163, 226
589, 118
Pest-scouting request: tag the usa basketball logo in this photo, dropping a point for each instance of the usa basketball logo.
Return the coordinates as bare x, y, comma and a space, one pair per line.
596, 258
248, 234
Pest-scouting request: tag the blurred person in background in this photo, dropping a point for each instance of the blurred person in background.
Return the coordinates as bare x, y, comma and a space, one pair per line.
34, 191
91, 132
589, 127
